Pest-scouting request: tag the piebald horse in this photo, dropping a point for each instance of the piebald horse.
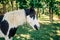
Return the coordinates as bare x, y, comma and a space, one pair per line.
10, 21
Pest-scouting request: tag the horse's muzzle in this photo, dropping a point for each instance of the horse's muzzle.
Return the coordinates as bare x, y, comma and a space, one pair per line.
35, 26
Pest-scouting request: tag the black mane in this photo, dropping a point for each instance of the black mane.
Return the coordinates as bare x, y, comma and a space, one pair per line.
30, 12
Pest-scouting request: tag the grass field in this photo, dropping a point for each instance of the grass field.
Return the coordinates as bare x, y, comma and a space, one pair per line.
47, 31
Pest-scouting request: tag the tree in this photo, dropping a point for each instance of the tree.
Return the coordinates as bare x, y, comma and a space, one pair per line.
16, 5
12, 1
4, 2
4, 5
22, 3
57, 8
50, 4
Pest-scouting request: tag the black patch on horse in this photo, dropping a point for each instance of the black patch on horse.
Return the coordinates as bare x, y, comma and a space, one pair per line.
1, 17
30, 12
4, 27
12, 32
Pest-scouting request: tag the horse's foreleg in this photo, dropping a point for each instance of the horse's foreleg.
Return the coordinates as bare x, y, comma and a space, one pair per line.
7, 38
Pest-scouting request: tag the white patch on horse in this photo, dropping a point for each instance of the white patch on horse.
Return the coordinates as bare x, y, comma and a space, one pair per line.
15, 18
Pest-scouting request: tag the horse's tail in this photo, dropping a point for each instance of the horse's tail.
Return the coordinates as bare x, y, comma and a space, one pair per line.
1, 17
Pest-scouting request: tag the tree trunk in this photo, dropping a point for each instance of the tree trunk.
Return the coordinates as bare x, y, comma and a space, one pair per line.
51, 14
51, 11
12, 5
37, 12
59, 17
16, 6
4, 8
43, 11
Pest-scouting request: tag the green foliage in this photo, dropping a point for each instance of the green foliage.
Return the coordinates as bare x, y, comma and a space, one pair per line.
56, 8
22, 3
54, 5
57, 12
4, 1
29, 3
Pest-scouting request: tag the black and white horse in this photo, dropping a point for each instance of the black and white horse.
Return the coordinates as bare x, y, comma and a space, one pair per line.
10, 21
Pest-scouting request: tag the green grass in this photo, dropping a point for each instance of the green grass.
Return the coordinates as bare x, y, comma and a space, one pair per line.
47, 31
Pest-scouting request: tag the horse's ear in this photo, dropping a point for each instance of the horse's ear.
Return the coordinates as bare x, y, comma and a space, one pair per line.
31, 8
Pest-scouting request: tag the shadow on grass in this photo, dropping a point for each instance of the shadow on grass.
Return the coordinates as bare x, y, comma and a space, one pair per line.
46, 32
2, 39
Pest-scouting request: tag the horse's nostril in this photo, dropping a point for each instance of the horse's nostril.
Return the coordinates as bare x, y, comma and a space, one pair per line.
35, 26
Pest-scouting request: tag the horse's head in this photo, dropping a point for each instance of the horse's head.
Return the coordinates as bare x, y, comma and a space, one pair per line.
31, 18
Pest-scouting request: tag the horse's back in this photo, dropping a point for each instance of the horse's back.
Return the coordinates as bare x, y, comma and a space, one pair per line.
14, 18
